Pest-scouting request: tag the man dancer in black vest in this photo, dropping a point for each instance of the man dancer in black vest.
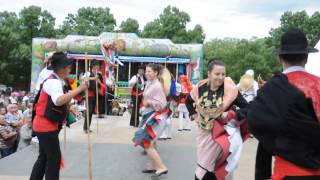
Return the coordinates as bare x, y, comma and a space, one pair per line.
137, 82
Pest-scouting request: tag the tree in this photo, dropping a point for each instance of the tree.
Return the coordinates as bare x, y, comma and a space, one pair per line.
172, 24
240, 55
196, 35
309, 24
36, 23
16, 33
88, 21
130, 26
153, 29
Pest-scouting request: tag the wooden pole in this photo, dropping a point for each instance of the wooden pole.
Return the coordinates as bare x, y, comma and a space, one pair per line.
177, 76
88, 128
136, 109
129, 74
77, 71
105, 90
65, 134
97, 101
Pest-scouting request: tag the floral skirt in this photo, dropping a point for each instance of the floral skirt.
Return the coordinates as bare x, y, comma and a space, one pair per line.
151, 125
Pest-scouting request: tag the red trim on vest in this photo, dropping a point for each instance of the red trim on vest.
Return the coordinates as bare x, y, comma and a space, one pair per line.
40, 123
91, 93
283, 168
309, 85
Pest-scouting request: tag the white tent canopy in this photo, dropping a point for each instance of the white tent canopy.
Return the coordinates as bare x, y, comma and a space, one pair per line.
313, 64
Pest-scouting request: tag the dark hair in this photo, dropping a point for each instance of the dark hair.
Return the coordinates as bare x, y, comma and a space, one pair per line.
214, 62
156, 68
294, 59
59, 60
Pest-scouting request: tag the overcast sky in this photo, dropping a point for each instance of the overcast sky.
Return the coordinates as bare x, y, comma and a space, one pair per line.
219, 18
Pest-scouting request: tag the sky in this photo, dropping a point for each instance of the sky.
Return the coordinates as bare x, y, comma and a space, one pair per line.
219, 18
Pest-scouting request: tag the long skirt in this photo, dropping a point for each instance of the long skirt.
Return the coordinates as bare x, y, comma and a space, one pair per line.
152, 124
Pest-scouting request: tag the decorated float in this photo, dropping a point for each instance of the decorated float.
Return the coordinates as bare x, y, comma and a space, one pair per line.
121, 54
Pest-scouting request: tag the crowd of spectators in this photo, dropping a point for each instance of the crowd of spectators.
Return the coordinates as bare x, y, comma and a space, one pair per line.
15, 121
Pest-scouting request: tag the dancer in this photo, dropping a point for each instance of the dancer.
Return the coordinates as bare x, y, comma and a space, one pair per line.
95, 65
153, 121
50, 112
285, 116
184, 120
212, 104
247, 86
101, 93
45, 72
137, 82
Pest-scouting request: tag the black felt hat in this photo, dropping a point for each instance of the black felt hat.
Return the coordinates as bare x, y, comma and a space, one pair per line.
294, 41
95, 62
59, 60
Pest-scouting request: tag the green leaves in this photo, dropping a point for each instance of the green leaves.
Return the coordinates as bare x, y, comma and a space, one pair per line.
16, 33
240, 55
172, 24
88, 21
130, 26
309, 24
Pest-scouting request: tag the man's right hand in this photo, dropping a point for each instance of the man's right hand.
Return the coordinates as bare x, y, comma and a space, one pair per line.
85, 84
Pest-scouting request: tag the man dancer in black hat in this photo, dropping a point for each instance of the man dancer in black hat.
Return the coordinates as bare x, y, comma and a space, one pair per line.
50, 113
92, 74
285, 116
137, 82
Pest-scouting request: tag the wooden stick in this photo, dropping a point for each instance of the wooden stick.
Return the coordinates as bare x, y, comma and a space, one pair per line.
129, 74
65, 134
77, 69
136, 109
97, 102
88, 128
177, 76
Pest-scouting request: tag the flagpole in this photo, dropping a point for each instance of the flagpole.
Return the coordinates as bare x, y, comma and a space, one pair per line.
88, 128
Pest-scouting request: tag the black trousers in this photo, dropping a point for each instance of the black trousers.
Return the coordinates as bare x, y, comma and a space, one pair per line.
48, 162
263, 167
134, 120
102, 104
208, 176
92, 104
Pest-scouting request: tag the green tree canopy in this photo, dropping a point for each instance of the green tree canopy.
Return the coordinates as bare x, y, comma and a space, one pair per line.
16, 33
240, 55
88, 21
309, 24
172, 24
130, 26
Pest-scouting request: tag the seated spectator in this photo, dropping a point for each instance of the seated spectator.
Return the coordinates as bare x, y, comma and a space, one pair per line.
27, 113
25, 133
13, 117
3, 110
8, 138
13, 98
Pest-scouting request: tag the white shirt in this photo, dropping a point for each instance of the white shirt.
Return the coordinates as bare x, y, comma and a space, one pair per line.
134, 80
25, 99
44, 74
54, 88
293, 69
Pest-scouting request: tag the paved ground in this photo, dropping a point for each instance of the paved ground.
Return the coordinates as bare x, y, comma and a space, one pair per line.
114, 157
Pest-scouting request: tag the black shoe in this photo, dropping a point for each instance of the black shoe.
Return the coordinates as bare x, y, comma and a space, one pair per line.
87, 131
143, 153
160, 173
187, 129
149, 171
180, 130
162, 139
